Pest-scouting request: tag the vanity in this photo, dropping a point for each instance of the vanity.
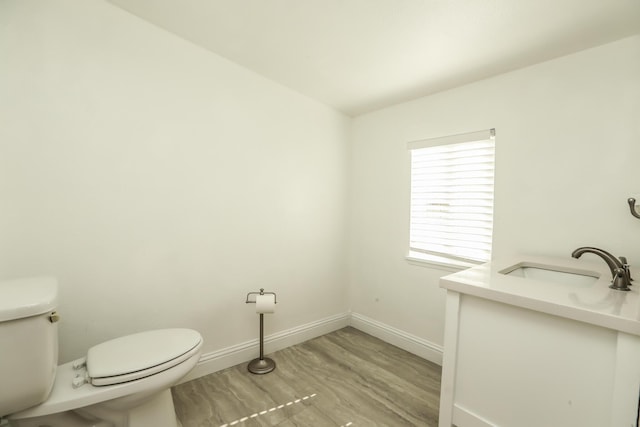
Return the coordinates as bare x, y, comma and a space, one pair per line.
537, 341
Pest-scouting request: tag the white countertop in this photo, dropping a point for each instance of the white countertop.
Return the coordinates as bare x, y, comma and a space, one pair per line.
596, 304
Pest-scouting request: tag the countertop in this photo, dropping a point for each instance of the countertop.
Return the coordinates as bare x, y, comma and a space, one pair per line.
596, 303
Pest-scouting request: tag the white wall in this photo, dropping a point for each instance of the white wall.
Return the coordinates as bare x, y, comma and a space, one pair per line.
159, 182
568, 146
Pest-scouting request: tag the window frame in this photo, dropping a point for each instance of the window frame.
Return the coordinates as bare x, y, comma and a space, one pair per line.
452, 262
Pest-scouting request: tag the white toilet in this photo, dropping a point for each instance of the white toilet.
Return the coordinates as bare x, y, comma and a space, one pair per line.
124, 382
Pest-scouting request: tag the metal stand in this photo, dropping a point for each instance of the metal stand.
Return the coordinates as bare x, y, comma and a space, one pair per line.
261, 365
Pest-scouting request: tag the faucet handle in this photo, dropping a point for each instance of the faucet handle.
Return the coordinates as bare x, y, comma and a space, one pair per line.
626, 267
620, 280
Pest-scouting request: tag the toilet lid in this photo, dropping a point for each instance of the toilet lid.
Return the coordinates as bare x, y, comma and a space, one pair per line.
139, 355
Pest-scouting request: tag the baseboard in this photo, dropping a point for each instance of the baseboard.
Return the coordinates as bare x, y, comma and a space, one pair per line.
411, 343
244, 352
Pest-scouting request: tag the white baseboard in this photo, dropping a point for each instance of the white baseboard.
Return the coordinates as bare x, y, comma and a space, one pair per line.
411, 343
244, 352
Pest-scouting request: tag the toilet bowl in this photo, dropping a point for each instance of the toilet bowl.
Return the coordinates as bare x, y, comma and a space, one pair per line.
124, 382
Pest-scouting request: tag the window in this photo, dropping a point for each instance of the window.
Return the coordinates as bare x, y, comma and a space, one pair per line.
452, 199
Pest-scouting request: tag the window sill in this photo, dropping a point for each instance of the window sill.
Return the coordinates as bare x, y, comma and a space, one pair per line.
439, 263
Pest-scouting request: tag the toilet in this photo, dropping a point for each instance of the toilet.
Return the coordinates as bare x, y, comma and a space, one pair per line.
124, 382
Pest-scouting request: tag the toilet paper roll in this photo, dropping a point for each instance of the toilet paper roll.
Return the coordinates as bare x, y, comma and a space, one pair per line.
265, 303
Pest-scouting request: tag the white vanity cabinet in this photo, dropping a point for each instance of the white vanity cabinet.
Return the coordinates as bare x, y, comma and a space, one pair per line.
527, 353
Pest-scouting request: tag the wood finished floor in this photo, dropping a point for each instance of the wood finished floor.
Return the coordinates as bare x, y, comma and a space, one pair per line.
345, 378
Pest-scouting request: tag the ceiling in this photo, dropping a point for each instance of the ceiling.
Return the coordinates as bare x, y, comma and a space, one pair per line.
362, 55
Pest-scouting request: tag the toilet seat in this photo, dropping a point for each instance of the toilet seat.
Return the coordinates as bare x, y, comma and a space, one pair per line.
139, 355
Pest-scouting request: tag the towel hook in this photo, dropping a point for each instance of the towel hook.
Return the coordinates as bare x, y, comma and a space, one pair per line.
632, 207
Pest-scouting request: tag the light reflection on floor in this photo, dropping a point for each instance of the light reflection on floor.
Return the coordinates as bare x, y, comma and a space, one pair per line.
275, 408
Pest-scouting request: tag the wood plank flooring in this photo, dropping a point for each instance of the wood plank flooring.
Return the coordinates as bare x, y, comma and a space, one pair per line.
345, 378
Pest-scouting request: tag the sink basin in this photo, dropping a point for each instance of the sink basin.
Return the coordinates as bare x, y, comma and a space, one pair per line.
552, 274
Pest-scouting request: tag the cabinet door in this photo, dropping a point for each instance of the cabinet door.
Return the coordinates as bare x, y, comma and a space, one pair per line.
517, 367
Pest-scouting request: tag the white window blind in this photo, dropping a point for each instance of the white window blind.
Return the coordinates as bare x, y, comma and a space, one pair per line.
452, 197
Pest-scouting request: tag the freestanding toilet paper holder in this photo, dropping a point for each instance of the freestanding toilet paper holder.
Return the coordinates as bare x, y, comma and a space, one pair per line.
261, 365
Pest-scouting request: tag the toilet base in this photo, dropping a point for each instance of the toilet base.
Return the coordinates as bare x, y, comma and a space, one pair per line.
157, 411
66, 419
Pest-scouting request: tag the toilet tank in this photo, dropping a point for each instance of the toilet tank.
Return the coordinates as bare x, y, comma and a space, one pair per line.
28, 342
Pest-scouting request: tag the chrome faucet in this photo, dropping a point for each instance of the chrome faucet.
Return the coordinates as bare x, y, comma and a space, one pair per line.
619, 267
